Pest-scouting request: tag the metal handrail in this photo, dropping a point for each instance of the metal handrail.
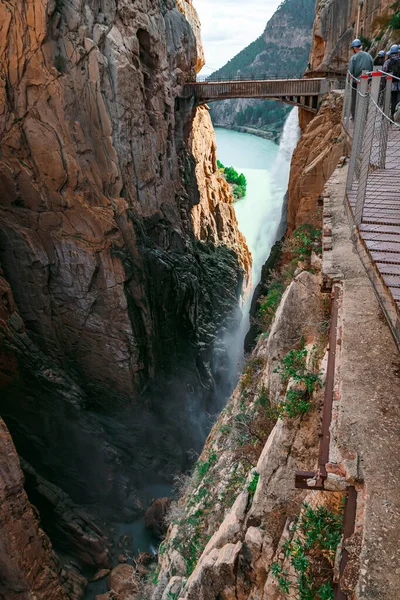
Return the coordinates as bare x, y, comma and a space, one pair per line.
372, 189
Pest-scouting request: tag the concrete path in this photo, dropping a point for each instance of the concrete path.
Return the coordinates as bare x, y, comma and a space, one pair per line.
369, 413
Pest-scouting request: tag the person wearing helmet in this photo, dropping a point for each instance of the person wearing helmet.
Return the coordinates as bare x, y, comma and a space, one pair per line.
359, 62
392, 66
379, 60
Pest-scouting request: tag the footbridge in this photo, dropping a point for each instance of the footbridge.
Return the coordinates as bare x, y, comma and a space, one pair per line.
305, 92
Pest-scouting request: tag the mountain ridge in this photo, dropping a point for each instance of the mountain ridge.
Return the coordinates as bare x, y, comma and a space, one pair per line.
287, 36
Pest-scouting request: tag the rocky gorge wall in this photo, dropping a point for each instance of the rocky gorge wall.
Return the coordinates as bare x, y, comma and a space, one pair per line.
337, 22
117, 269
315, 158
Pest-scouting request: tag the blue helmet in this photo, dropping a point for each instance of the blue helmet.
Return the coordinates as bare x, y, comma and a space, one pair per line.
394, 49
356, 43
382, 53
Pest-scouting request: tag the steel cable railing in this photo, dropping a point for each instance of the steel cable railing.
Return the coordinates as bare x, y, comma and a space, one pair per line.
373, 186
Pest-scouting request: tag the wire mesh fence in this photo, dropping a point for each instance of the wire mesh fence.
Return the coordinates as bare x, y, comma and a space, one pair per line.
373, 185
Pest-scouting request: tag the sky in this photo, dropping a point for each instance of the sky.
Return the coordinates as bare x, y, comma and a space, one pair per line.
228, 26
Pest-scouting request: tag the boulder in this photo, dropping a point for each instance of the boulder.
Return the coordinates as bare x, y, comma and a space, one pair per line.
154, 517
215, 575
123, 580
101, 574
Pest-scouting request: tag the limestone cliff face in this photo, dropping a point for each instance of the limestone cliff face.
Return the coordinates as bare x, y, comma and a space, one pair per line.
110, 303
314, 160
214, 218
336, 25
28, 566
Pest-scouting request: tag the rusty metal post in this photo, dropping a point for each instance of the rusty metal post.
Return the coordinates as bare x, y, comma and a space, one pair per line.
306, 479
349, 522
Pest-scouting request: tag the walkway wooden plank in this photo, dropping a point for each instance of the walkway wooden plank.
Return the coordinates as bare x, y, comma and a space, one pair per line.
383, 246
392, 281
386, 257
369, 228
381, 238
382, 221
388, 269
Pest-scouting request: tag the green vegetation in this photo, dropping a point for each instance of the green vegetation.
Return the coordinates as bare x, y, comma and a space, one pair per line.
395, 20
366, 42
294, 367
203, 466
249, 371
311, 553
251, 488
237, 181
297, 247
152, 574
192, 535
271, 302
304, 239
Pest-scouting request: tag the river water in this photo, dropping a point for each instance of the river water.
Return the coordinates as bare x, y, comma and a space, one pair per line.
266, 167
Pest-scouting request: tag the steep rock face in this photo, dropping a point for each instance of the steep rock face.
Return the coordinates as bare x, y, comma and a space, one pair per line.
314, 160
214, 218
116, 305
28, 567
245, 526
282, 51
336, 25
186, 7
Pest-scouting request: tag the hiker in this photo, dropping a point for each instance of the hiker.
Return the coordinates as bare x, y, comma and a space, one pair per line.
380, 60
392, 66
359, 62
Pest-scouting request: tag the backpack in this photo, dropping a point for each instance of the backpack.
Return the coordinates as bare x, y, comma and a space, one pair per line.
394, 67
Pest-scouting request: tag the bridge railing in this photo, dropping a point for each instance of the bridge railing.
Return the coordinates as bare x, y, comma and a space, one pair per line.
259, 76
373, 185
253, 77
257, 88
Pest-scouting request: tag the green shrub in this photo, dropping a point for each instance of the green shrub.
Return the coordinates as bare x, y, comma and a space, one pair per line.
395, 20
203, 466
311, 553
302, 241
366, 43
271, 302
297, 399
251, 488
238, 182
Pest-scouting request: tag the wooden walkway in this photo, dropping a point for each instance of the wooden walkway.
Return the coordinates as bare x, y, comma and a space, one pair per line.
305, 92
380, 227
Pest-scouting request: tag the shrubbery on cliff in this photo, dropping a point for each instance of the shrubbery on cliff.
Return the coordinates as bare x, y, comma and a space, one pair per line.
238, 182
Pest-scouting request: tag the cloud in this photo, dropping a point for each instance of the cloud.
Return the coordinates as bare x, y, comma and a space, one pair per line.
228, 26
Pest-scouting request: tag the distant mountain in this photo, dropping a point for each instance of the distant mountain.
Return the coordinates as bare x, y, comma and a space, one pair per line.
282, 51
